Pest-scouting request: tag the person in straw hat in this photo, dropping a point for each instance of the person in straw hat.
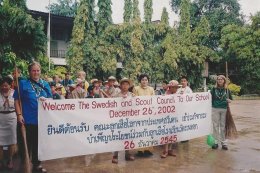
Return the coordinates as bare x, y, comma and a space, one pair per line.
111, 91
97, 92
168, 149
78, 92
125, 84
220, 98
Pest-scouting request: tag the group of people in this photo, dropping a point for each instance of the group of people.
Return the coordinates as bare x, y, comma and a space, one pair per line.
19, 103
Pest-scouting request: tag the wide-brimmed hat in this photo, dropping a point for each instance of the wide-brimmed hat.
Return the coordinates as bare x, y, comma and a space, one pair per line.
111, 78
173, 83
93, 81
72, 85
58, 86
126, 80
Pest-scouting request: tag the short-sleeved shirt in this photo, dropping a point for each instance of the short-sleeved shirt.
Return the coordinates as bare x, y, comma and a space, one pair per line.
66, 82
29, 95
120, 94
186, 90
140, 91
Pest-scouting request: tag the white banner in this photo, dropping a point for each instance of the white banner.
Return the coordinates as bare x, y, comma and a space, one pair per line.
86, 126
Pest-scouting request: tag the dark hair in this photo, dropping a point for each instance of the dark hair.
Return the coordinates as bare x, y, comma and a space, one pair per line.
165, 81
90, 88
184, 77
143, 76
33, 64
7, 80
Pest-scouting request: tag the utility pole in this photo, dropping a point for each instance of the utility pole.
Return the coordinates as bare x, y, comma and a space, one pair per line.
226, 70
49, 38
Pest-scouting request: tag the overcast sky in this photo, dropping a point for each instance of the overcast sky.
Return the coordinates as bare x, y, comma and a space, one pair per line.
248, 7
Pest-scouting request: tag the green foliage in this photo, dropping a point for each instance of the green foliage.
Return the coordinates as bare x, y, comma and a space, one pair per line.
148, 11
22, 38
128, 10
184, 27
64, 8
18, 3
219, 13
165, 17
241, 45
136, 12
104, 17
58, 70
156, 49
234, 89
75, 54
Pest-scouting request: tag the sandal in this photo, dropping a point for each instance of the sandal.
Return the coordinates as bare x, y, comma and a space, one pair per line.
39, 169
170, 153
164, 154
115, 159
129, 157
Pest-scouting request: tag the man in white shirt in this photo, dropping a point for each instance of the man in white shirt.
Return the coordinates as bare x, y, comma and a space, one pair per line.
185, 89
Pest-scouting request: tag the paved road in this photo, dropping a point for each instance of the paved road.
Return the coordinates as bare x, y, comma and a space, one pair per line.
195, 156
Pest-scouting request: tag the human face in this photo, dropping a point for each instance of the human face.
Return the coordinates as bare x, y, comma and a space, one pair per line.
53, 89
35, 72
164, 86
144, 82
111, 83
56, 79
67, 76
5, 87
81, 76
124, 86
59, 91
96, 84
16, 73
173, 89
220, 81
184, 83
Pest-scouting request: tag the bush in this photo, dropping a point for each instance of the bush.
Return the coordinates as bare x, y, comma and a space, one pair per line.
234, 89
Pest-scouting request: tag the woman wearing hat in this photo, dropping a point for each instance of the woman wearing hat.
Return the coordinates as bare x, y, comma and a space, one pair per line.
8, 121
168, 149
144, 90
124, 85
220, 98
78, 92
97, 92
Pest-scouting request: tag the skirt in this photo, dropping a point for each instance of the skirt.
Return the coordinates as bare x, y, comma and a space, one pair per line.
8, 125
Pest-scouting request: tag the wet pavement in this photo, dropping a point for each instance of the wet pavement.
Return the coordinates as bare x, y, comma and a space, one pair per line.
194, 156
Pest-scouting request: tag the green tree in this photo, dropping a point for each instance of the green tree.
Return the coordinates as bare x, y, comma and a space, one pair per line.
18, 3
165, 17
148, 11
241, 45
22, 38
64, 8
184, 27
104, 17
75, 54
136, 11
128, 10
219, 13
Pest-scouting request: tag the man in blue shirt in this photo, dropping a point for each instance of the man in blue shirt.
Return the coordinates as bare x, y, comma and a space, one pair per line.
29, 92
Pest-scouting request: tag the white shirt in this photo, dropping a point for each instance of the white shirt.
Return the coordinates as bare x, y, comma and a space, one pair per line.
185, 90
